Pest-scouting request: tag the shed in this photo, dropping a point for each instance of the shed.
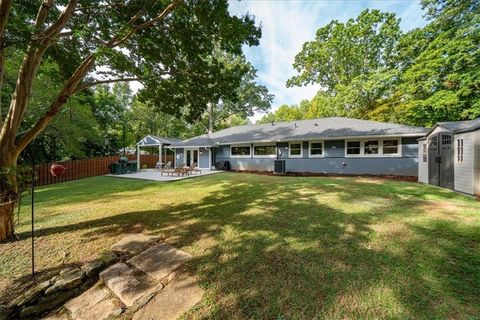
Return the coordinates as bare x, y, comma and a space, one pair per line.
155, 141
449, 156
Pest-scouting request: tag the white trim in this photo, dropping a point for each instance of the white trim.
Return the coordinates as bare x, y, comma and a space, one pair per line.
192, 150
290, 149
271, 144
241, 156
380, 153
188, 147
310, 155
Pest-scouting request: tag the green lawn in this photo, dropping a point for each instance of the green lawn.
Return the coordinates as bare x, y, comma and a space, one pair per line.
278, 247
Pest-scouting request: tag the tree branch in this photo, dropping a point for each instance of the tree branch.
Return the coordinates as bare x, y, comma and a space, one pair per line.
144, 25
92, 84
72, 84
30, 64
5, 7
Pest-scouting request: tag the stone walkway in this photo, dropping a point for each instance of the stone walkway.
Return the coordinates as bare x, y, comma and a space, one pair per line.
150, 285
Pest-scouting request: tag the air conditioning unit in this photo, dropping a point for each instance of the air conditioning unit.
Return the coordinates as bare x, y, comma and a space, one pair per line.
279, 166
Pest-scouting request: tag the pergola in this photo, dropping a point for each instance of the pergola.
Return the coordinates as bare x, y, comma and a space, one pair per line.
155, 141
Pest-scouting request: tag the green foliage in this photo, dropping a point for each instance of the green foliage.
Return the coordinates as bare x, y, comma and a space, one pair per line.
356, 48
250, 97
368, 69
184, 62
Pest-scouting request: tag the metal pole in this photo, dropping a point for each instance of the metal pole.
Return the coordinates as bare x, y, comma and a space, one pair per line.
33, 208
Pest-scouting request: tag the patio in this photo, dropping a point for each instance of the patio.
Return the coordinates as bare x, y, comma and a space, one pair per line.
155, 175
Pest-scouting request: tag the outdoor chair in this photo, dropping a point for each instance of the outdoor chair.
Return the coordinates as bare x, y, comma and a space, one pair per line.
159, 167
194, 168
177, 171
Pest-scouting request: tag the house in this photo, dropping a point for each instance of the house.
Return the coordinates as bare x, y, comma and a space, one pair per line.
328, 145
449, 156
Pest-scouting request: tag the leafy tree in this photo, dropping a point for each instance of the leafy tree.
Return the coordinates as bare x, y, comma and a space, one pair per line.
441, 69
249, 98
343, 51
145, 119
168, 46
287, 113
368, 69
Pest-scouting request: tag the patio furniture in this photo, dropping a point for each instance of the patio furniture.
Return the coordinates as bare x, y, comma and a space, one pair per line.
177, 171
194, 168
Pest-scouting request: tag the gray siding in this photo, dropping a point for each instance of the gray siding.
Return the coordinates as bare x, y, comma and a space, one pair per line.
334, 160
422, 166
409, 147
464, 171
393, 166
203, 158
334, 148
477, 162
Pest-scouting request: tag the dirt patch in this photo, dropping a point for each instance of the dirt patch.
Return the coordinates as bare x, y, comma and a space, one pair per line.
315, 174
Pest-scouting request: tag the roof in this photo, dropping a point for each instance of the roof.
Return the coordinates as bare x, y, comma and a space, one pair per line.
324, 128
459, 126
152, 140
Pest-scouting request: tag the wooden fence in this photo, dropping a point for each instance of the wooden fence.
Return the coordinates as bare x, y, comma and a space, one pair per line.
79, 169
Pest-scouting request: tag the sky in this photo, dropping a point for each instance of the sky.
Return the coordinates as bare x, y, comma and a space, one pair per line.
286, 25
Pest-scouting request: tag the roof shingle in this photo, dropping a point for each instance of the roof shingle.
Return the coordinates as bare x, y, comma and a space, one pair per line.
334, 127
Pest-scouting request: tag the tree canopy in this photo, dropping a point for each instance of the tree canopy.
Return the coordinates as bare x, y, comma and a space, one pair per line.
368, 68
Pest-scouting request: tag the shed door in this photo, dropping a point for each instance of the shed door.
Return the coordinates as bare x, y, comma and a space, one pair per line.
446, 160
440, 160
433, 168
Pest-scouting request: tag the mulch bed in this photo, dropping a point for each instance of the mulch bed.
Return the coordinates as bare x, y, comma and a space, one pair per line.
314, 174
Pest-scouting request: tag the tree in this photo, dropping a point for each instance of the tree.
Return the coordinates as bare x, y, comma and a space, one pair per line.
343, 51
250, 97
440, 64
166, 45
287, 113
368, 69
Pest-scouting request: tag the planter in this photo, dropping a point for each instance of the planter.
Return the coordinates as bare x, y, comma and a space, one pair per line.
6, 220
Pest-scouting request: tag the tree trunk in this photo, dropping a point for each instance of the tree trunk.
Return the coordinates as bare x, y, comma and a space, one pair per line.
8, 193
210, 118
6, 220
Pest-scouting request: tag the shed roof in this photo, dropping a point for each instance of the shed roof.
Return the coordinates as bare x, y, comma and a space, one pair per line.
334, 127
152, 140
459, 126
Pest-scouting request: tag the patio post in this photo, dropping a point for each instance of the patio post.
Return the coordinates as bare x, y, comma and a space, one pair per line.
138, 157
160, 153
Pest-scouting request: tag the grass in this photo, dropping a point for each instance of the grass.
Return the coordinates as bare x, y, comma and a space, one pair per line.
277, 247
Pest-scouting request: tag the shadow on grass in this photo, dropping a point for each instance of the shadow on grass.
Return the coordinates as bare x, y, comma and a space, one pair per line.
277, 251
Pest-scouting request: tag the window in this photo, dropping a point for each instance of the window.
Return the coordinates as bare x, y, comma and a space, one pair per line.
371, 147
316, 149
390, 146
459, 150
433, 141
240, 151
353, 147
296, 150
265, 151
446, 139
424, 152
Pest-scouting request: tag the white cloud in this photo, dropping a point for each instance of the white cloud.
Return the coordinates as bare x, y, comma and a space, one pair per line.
287, 25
